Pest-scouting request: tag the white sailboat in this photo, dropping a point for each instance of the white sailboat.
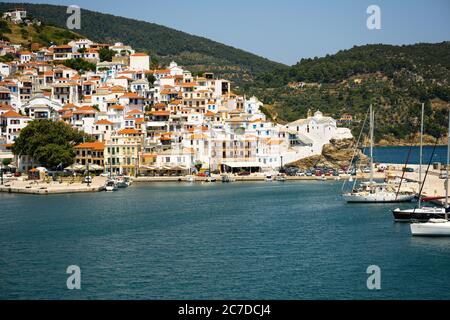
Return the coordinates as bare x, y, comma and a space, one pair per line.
421, 213
372, 192
436, 227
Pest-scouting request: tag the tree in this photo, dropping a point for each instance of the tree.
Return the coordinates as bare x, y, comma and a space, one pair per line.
151, 79
50, 143
6, 161
79, 64
106, 54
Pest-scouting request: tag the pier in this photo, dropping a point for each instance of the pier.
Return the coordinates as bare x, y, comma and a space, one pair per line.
53, 187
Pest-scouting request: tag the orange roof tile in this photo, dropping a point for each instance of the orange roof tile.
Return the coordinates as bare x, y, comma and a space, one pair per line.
129, 131
104, 122
91, 145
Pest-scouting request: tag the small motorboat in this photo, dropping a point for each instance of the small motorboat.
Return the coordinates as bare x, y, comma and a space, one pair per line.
228, 178
110, 186
190, 178
121, 182
280, 178
210, 179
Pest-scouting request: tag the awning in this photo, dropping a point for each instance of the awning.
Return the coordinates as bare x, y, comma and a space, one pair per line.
75, 167
243, 164
179, 168
95, 167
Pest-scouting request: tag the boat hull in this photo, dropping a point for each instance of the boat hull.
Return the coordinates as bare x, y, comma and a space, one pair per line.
354, 198
420, 215
440, 229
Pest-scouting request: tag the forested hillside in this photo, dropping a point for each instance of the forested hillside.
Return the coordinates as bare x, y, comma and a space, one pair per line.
164, 44
395, 79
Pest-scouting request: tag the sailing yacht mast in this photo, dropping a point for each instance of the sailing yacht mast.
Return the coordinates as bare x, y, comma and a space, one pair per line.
447, 169
371, 143
421, 155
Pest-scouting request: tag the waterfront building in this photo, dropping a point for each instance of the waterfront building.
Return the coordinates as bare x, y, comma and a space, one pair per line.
90, 153
175, 122
122, 151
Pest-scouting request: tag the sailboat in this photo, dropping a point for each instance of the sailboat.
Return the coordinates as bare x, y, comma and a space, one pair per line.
436, 227
372, 192
421, 213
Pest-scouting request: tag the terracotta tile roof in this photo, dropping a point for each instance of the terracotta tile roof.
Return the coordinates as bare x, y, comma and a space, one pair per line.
104, 122
129, 131
91, 145
12, 114
85, 110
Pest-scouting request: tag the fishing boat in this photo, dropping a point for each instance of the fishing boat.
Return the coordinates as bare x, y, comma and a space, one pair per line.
373, 192
436, 227
110, 186
269, 178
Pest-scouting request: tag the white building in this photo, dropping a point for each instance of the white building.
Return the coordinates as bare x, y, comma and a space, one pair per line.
139, 61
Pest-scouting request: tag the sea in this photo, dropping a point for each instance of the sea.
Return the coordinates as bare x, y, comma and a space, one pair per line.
242, 240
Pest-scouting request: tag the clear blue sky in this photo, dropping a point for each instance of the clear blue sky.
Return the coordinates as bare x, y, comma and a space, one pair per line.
287, 30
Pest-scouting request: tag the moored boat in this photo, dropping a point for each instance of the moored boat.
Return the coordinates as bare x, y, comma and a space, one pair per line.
418, 214
110, 186
228, 178
373, 192
432, 228
437, 227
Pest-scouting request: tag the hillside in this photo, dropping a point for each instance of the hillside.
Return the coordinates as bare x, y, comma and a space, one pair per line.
26, 35
166, 44
395, 79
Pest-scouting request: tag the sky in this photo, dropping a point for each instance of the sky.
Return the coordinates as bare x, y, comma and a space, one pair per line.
288, 30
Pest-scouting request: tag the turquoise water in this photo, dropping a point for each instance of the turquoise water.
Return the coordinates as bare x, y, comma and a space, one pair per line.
292, 240
400, 154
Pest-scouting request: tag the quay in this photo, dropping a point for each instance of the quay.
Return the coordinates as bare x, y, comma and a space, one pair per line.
46, 188
433, 187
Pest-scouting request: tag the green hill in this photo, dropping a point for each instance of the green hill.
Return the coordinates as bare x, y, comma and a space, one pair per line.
28, 34
196, 53
395, 79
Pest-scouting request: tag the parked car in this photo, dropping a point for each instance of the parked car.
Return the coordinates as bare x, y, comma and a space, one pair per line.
408, 169
443, 175
17, 174
300, 174
291, 171
366, 170
244, 173
308, 173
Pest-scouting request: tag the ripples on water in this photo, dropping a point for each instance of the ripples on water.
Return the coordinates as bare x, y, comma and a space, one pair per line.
293, 240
